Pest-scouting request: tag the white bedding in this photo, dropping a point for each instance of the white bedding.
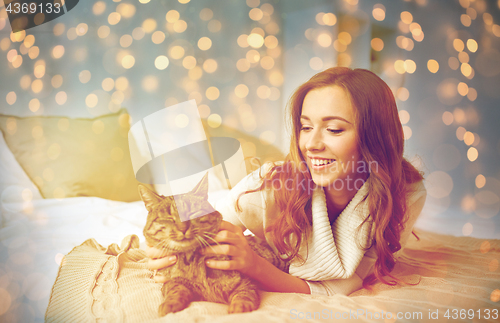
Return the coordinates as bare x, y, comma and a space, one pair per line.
33, 243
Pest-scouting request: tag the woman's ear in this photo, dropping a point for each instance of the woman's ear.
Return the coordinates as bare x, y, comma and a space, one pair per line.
149, 197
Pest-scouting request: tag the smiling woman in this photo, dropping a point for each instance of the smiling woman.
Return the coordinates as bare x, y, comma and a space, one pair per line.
328, 143
343, 202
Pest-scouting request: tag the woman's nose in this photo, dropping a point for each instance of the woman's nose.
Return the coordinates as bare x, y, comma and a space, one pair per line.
315, 141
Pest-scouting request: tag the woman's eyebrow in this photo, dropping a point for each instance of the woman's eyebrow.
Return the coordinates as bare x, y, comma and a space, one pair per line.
326, 118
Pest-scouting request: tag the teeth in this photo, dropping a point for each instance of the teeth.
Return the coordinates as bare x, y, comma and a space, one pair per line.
319, 162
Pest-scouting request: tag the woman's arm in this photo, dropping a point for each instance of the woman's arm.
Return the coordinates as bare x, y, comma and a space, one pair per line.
245, 260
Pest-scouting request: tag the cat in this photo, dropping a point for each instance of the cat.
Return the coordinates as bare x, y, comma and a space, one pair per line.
189, 278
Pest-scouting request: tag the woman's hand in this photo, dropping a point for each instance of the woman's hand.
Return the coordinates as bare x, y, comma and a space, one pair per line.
232, 243
245, 260
158, 259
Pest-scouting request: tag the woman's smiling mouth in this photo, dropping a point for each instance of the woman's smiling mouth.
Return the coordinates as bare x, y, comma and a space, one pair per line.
319, 163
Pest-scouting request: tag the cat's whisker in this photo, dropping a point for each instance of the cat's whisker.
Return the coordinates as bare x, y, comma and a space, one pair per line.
203, 241
206, 242
159, 245
216, 242
200, 241
163, 246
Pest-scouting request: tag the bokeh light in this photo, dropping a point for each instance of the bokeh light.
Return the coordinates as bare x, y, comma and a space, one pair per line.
114, 18
439, 184
404, 116
377, 44
406, 17
214, 120
480, 181
212, 93
98, 8
433, 66
204, 43
161, 62
11, 98
34, 105
378, 12
210, 65
472, 154
84, 76
241, 90
91, 100
61, 97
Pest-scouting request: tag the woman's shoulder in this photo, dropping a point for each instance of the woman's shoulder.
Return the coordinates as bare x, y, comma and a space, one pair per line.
416, 191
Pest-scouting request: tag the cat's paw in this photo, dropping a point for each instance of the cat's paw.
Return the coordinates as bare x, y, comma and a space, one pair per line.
170, 307
242, 306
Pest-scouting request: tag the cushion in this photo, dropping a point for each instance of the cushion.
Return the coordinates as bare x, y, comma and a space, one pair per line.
256, 151
74, 157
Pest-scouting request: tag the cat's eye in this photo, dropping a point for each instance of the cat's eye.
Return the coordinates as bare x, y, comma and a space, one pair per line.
197, 214
203, 219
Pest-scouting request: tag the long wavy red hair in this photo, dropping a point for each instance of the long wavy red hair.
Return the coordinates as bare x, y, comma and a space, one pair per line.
380, 141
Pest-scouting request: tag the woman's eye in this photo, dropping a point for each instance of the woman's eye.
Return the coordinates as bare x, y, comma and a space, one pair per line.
305, 128
336, 131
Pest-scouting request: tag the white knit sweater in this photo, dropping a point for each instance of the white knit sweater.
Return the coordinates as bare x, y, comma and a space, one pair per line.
336, 262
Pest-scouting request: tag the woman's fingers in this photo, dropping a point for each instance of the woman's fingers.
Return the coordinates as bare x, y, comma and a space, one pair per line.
159, 263
160, 279
222, 249
230, 227
226, 236
152, 252
224, 264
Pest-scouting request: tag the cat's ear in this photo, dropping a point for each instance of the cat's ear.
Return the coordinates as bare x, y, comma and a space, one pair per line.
202, 188
149, 197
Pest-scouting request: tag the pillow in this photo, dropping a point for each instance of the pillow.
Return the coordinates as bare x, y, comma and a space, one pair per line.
256, 151
74, 157
11, 173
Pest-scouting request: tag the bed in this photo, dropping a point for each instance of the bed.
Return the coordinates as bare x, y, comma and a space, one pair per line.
78, 256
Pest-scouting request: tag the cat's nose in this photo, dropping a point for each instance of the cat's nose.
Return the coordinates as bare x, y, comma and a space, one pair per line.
183, 226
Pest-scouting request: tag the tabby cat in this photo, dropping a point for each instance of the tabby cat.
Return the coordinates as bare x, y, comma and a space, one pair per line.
189, 278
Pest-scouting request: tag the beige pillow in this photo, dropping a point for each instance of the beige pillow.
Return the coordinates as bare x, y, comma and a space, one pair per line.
256, 151
67, 157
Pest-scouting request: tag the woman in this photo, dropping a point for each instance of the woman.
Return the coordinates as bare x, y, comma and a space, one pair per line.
342, 203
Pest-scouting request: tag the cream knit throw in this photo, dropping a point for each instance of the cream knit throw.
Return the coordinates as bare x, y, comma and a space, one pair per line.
331, 253
450, 273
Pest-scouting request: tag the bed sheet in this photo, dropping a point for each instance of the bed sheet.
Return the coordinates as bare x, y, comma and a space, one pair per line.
36, 234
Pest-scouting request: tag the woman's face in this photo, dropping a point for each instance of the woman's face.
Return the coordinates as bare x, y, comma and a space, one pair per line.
327, 139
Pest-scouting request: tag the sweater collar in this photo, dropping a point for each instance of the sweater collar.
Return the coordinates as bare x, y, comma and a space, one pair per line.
334, 251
